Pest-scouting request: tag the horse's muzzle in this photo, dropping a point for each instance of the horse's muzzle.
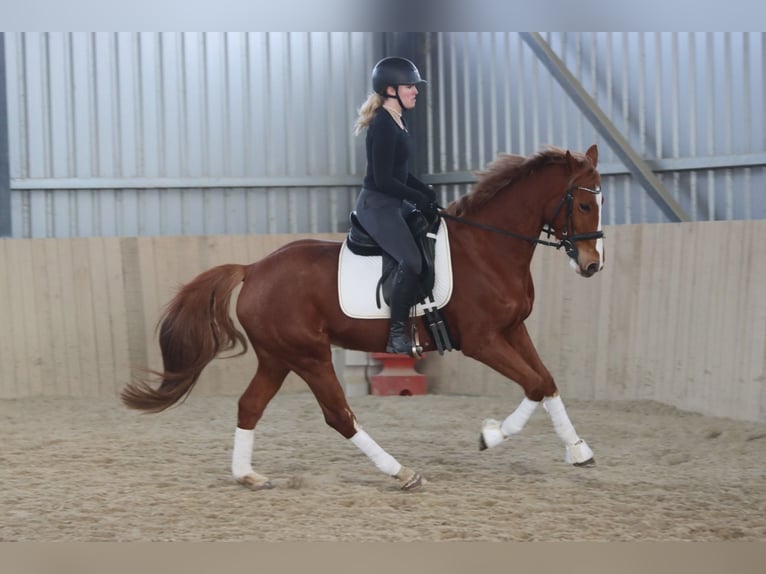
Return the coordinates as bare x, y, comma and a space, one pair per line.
588, 271
591, 269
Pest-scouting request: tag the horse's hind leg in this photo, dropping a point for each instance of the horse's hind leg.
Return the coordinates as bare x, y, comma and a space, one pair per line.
264, 385
323, 382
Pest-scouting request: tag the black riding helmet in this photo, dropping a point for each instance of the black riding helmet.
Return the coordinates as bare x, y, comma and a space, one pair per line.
394, 71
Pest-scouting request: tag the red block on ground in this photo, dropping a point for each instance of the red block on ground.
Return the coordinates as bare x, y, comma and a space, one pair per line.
398, 376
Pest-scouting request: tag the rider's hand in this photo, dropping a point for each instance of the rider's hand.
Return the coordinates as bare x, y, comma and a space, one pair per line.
431, 210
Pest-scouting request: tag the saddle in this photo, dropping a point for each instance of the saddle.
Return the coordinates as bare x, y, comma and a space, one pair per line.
424, 231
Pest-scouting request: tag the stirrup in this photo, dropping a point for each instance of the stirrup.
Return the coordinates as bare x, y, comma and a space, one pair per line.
416, 352
409, 345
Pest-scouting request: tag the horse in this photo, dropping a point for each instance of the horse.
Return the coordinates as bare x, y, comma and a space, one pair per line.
288, 307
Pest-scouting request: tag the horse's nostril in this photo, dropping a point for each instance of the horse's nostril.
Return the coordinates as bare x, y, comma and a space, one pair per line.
592, 268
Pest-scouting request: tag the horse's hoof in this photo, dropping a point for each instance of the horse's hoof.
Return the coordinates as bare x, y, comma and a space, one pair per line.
590, 462
579, 454
410, 479
491, 434
414, 482
255, 482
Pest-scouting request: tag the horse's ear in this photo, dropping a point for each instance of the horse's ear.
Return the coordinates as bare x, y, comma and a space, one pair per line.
592, 154
574, 165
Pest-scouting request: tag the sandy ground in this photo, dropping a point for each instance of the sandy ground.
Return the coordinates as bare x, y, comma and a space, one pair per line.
90, 470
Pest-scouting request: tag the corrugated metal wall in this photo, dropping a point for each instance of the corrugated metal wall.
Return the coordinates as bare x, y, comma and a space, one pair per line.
184, 133
684, 101
207, 133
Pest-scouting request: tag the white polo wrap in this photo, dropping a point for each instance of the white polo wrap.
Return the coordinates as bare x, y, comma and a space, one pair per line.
384, 461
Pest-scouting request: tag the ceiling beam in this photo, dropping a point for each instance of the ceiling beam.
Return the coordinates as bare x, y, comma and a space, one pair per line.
637, 166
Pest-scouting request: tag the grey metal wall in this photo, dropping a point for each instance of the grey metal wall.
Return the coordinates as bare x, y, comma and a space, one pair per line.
692, 104
184, 133
204, 133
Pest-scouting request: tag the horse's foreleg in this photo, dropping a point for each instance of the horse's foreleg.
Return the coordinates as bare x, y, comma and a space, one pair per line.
494, 432
578, 452
517, 358
506, 359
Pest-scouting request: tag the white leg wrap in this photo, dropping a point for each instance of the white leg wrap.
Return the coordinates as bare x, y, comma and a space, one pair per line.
384, 461
577, 450
518, 418
241, 458
494, 432
561, 422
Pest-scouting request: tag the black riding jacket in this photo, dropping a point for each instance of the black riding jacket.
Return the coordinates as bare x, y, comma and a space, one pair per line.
388, 150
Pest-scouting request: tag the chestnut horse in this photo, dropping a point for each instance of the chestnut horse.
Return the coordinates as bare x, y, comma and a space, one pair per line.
288, 307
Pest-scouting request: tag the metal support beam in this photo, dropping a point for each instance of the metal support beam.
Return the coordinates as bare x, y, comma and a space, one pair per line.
5, 162
635, 164
307, 181
669, 165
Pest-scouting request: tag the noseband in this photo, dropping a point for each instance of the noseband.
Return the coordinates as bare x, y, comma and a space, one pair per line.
569, 237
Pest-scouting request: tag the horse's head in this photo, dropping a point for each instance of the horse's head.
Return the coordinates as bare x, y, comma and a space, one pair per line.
576, 218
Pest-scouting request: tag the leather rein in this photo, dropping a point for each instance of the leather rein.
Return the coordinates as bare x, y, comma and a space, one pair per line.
569, 238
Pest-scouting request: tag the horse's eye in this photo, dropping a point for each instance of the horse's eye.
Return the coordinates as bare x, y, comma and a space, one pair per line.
585, 207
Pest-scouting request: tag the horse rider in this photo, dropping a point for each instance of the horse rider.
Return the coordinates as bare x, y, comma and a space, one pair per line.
389, 191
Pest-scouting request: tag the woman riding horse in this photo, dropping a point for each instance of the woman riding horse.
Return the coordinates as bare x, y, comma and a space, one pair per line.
390, 192
289, 309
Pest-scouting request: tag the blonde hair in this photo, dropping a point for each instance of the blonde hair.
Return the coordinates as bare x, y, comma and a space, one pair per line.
367, 111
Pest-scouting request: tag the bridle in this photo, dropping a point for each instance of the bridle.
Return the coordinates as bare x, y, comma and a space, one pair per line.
568, 237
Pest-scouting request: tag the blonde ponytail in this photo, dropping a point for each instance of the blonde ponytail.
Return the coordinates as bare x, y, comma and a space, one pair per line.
367, 111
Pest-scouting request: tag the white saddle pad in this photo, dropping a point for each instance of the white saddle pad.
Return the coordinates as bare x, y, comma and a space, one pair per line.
358, 278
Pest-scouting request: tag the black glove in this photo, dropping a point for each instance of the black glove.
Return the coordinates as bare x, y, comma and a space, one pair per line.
431, 193
430, 210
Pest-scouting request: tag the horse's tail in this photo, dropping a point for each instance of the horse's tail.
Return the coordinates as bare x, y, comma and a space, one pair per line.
195, 327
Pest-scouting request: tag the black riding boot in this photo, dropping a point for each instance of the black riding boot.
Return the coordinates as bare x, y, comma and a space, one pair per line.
403, 295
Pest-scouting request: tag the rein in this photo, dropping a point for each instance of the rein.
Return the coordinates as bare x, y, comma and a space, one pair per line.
568, 240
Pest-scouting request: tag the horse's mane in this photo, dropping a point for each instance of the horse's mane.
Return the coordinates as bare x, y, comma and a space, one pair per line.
506, 170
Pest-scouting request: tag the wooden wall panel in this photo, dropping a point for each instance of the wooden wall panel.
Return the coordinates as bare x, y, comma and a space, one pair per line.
677, 316
7, 329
